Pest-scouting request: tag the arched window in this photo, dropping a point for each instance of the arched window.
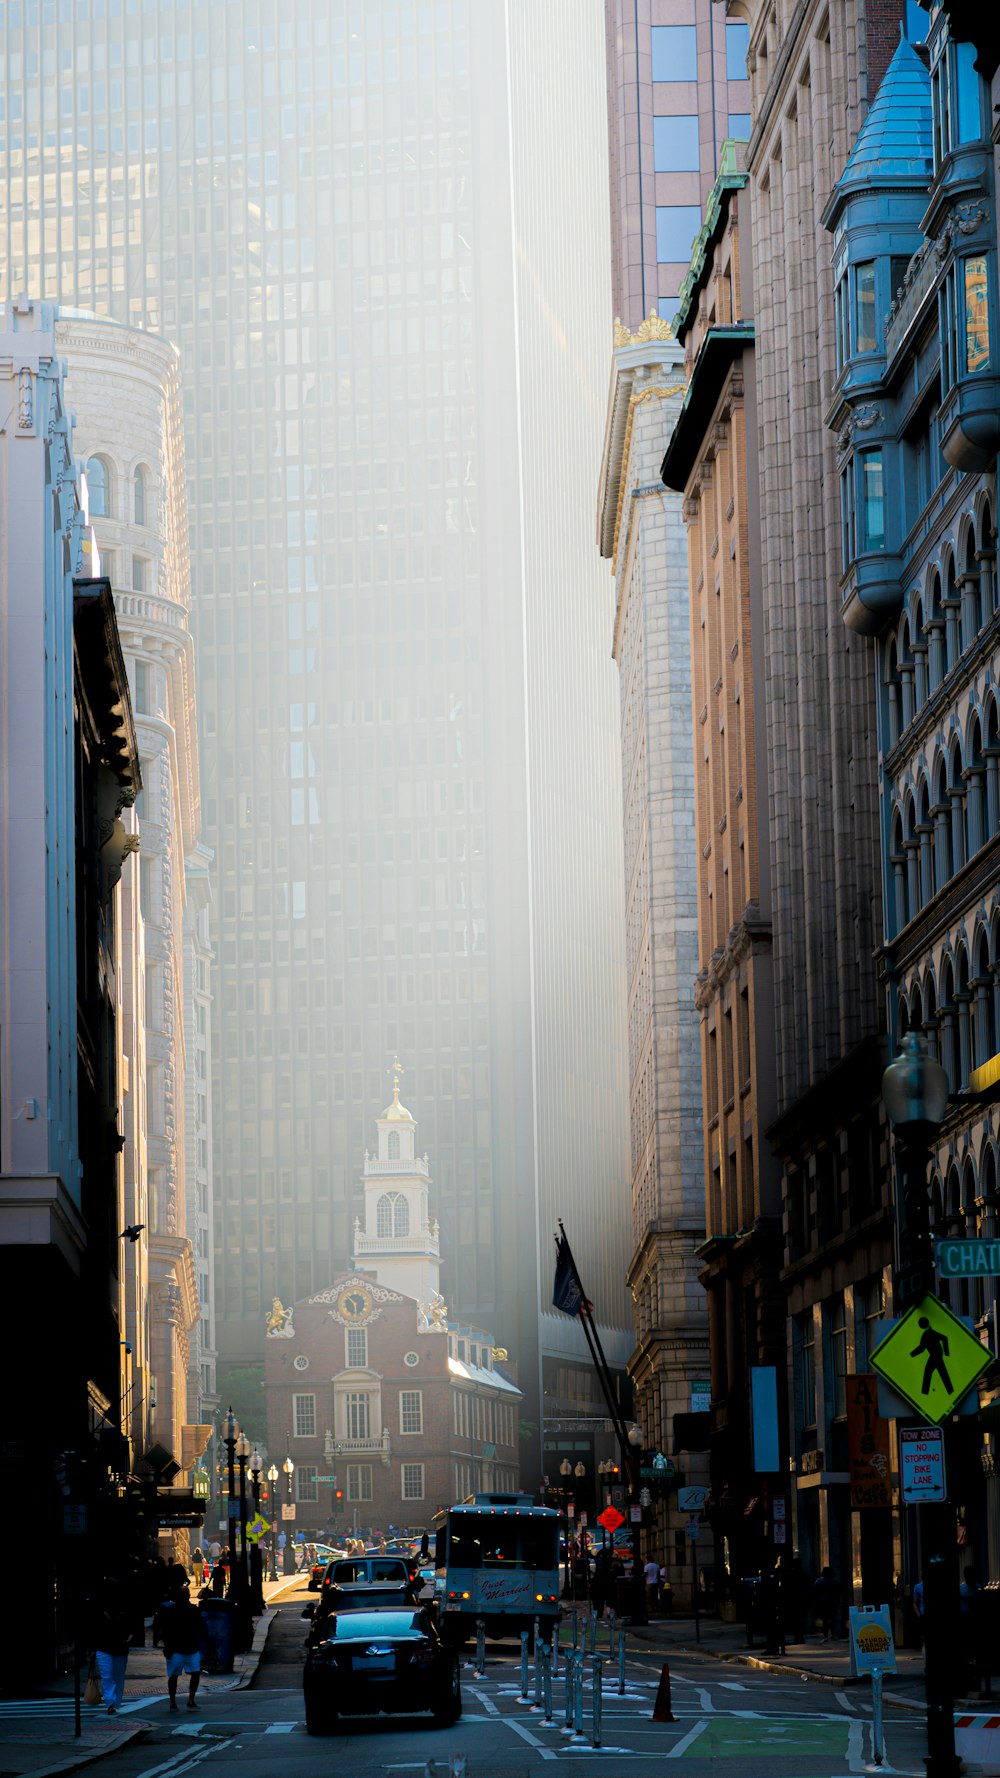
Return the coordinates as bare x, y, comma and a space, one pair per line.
893, 692
394, 1145
925, 834
956, 797
971, 590
949, 1053
953, 640
897, 858
139, 495
392, 1215
934, 627
963, 998
975, 796
99, 488
989, 585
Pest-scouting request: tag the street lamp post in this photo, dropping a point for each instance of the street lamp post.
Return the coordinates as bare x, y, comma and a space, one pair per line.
915, 1092
289, 1551
566, 1470
242, 1453
638, 1588
256, 1560
272, 1496
229, 1440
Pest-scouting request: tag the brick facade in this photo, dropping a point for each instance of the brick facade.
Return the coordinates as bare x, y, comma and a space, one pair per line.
340, 1390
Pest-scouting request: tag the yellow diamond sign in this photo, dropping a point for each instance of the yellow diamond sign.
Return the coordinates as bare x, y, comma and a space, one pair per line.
931, 1359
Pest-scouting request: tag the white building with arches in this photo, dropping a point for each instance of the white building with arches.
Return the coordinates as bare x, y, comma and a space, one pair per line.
399, 1237
124, 386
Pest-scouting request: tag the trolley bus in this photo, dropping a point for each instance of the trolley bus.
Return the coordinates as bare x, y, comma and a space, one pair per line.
496, 1558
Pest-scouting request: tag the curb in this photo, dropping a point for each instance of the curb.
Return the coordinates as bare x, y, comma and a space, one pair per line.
114, 1744
762, 1665
251, 1661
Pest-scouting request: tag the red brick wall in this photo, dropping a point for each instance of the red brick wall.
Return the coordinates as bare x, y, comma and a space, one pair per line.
882, 21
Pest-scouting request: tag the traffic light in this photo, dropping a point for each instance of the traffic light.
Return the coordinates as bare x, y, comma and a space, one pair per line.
338, 1495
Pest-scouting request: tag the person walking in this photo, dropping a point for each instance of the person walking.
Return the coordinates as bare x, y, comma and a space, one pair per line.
180, 1628
198, 1565
112, 1638
652, 1573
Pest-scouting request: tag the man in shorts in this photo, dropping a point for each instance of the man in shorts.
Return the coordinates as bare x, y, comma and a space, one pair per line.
179, 1627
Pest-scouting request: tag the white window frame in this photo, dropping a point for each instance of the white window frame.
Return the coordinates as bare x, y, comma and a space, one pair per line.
412, 1471
354, 1363
359, 1481
359, 1414
300, 1413
307, 1482
410, 1396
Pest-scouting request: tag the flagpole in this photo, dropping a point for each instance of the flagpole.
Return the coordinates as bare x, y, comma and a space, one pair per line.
600, 1362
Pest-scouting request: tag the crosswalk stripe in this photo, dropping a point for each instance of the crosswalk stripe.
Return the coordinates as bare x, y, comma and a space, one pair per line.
280, 1728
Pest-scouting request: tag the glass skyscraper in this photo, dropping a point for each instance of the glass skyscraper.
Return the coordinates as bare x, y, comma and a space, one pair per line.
393, 352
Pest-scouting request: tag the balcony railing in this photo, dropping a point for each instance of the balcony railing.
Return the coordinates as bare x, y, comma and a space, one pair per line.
402, 1168
424, 1241
378, 1446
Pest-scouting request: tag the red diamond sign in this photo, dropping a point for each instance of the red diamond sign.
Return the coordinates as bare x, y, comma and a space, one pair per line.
611, 1518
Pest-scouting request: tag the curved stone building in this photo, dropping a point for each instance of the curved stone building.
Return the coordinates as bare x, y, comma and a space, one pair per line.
125, 389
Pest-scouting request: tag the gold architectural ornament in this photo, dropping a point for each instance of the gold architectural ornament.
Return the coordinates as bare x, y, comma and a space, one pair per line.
653, 328
278, 1318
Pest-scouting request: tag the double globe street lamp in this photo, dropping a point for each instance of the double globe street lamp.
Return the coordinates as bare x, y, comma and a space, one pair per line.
272, 1500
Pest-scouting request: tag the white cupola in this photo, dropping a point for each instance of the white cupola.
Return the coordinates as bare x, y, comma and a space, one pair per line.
399, 1237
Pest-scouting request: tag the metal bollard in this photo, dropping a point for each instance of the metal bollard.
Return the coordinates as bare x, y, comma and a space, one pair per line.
570, 1692
596, 1665
457, 1765
539, 1645
576, 1628
555, 1649
578, 1697
593, 1632
611, 1635
480, 1647
621, 1662
524, 1664
547, 1680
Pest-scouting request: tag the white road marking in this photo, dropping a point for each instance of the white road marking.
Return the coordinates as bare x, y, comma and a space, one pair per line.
856, 1746
705, 1700
731, 1685
487, 1703
280, 1728
532, 1740
845, 1702
184, 1761
685, 1741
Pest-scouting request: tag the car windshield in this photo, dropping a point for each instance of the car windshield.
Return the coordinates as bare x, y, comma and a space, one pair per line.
353, 1626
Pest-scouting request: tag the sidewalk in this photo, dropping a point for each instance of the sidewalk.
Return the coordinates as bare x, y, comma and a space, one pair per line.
827, 1662
36, 1734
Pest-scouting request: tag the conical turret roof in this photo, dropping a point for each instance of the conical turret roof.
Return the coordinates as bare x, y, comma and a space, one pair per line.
894, 143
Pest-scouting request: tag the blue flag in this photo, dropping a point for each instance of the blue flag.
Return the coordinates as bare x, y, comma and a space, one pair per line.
566, 1292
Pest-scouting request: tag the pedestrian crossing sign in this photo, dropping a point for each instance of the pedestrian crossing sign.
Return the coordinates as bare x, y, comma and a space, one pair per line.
257, 1528
931, 1359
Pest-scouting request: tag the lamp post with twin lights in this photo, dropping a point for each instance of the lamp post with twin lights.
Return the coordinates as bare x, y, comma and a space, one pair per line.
272, 1500
289, 1517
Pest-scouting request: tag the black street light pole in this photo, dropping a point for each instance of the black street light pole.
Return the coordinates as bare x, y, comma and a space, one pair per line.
242, 1453
272, 1497
229, 1440
915, 1091
256, 1559
289, 1553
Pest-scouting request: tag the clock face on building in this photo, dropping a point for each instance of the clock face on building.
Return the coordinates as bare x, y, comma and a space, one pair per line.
355, 1303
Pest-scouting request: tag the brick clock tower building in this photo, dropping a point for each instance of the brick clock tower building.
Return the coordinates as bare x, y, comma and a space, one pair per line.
370, 1388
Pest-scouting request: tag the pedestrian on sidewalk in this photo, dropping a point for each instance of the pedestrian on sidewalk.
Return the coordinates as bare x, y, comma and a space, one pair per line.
652, 1573
111, 1645
180, 1627
198, 1564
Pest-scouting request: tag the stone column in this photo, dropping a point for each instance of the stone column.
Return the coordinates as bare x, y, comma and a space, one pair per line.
920, 674
935, 652
925, 835
987, 582
974, 776
951, 609
906, 685
911, 848
957, 794
898, 862
992, 755
941, 815
964, 1000
968, 585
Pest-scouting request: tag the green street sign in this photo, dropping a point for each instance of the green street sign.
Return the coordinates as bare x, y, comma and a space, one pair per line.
931, 1359
967, 1259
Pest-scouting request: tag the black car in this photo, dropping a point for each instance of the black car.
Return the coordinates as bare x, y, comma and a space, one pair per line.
369, 1662
365, 1596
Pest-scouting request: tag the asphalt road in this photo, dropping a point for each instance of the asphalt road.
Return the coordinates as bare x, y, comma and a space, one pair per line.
730, 1720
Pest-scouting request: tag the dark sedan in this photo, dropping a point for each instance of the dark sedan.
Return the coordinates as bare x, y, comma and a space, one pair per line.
386, 1661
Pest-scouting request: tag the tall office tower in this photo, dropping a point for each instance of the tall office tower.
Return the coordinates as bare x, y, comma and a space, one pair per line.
677, 88
386, 322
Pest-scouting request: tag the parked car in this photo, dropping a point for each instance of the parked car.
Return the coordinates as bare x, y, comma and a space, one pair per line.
322, 1555
355, 1570
363, 1596
372, 1662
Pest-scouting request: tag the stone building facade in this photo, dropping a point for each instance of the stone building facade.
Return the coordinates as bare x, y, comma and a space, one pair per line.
368, 1394
125, 388
69, 773
916, 417
712, 459
640, 530
813, 77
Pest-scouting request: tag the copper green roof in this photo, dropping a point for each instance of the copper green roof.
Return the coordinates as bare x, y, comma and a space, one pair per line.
894, 144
